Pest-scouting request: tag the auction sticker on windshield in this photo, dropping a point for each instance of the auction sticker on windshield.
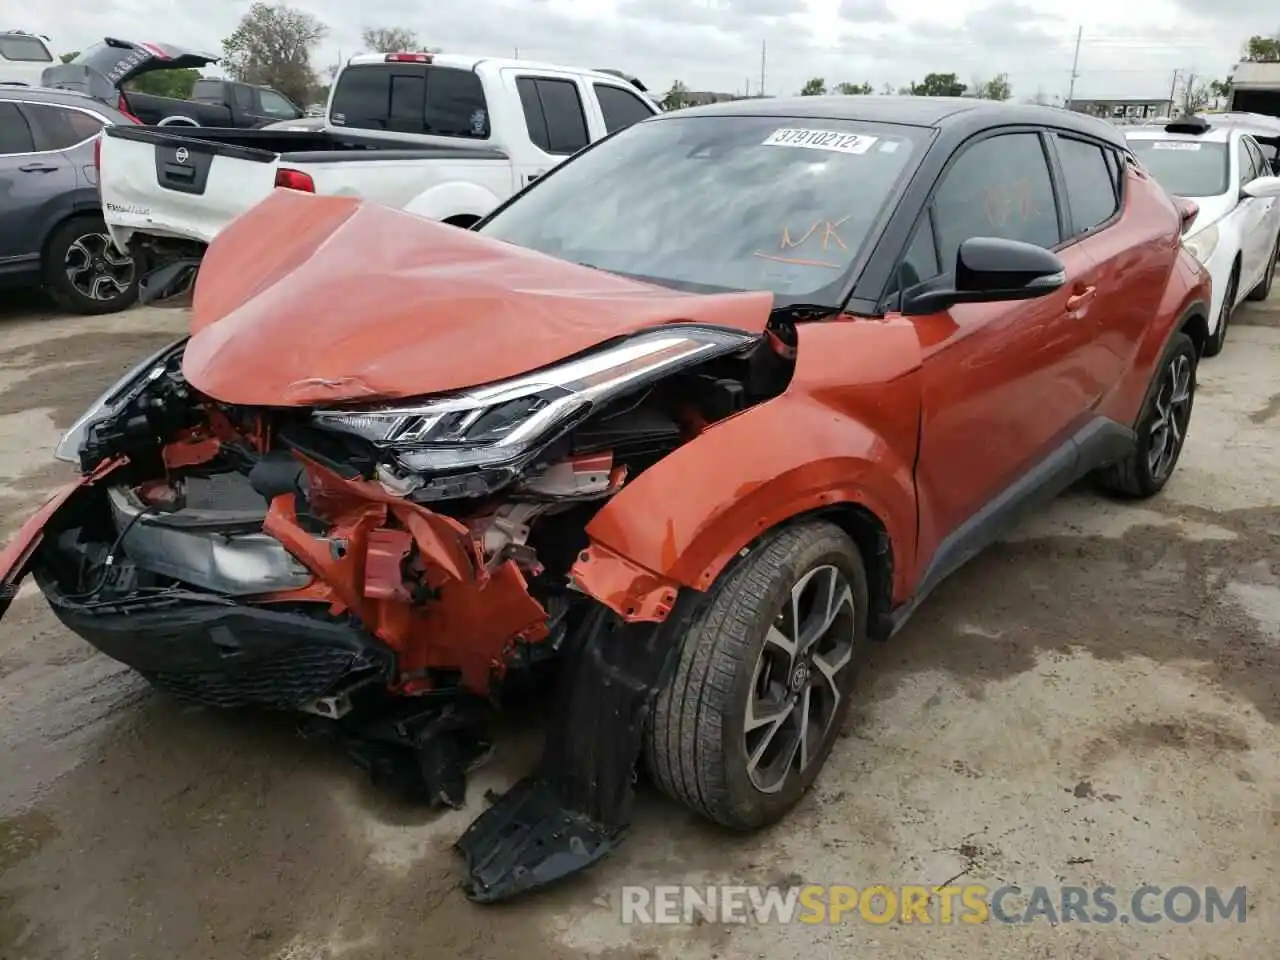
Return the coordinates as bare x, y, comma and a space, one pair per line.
1174, 145
820, 140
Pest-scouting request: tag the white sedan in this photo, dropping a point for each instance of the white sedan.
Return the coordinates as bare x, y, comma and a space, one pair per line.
1222, 170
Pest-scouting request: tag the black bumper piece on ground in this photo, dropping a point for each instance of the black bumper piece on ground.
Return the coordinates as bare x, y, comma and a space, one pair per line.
576, 808
228, 655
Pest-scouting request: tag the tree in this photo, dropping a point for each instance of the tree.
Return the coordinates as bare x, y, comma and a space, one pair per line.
1220, 89
887, 90
166, 83
1263, 49
68, 57
817, 87
391, 39
938, 85
854, 89
272, 46
1195, 94
997, 88
677, 97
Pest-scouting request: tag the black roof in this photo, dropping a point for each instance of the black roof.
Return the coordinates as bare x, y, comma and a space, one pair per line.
935, 112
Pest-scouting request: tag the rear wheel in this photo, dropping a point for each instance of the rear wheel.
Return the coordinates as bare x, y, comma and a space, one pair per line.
84, 272
1263, 289
1162, 427
764, 680
1219, 337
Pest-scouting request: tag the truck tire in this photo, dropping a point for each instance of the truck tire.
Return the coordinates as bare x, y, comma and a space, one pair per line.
84, 273
724, 734
1162, 426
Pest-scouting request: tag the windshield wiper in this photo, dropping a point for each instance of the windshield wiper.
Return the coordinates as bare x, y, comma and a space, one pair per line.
803, 311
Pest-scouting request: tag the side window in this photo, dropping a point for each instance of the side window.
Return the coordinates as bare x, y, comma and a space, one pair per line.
531, 103
999, 187
455, 104
1090, 182
15, 134
56, 128
553, 114
25, 49
242, 97
274, 105
921, 262
1247, 172
620, 108
1260, 165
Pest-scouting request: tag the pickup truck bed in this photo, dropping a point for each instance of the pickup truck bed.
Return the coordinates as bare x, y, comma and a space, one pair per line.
187, 186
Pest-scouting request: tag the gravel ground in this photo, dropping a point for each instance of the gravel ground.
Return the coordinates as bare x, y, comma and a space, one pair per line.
1093, 701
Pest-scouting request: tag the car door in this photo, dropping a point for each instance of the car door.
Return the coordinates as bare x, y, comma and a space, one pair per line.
31, 179
1254, 214
555, 120
1129, 259
1002, 382
1270, 220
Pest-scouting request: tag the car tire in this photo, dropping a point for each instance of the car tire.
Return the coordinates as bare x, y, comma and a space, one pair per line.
1218, 340
709, 721
1162, 426
1263, 289
84, 273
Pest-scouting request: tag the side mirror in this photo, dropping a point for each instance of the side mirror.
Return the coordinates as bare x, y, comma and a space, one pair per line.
990, 270
1263, 188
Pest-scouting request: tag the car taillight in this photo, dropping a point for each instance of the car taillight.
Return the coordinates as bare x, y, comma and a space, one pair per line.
123, 106
295, 180
408, 58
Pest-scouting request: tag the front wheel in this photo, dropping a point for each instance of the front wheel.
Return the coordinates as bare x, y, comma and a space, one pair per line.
1162, 426
764, 680
83, 271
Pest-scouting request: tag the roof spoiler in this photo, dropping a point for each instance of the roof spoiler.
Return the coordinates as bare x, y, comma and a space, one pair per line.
623, 76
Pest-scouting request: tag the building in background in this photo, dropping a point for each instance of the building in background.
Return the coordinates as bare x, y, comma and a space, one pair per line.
1255, 88
1124, 111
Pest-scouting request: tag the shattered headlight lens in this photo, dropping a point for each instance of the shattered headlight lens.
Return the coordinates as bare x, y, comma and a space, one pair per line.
503, 422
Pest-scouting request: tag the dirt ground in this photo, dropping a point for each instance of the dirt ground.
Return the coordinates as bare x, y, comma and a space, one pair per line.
1093, 701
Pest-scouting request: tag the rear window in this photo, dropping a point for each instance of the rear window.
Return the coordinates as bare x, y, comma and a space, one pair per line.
208, 90
26, 49
1185, 168
412, 98
113, 62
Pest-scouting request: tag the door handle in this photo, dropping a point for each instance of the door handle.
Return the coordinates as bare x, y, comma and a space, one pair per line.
533, 176
38, 168
1081, 299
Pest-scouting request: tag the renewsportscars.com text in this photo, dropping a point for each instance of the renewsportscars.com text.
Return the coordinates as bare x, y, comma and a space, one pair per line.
949, 905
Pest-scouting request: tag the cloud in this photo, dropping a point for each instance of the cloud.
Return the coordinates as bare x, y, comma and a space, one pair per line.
866, 11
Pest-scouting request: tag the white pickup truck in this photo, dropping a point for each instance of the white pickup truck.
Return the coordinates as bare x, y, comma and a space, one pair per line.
444, 136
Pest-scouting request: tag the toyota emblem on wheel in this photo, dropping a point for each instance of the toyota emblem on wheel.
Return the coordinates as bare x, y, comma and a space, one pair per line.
181, 155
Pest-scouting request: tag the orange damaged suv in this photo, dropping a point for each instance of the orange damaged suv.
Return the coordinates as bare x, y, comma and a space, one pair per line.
666, 439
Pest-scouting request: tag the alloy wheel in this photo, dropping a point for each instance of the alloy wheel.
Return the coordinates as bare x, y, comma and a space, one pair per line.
96, 269
1172, 411
796, 685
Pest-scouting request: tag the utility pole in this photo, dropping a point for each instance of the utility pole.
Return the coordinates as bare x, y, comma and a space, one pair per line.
1075, 72
517, 53
760, 92
1173, 93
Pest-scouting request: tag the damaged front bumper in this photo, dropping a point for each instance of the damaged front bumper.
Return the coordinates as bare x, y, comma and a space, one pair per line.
269, 613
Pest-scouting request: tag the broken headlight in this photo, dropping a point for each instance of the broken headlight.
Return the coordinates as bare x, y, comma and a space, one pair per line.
505, 423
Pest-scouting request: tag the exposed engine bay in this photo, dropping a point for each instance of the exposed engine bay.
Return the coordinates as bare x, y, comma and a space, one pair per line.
391, 571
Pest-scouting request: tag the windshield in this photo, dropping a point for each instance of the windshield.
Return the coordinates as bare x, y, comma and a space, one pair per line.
1185, 168
739, 203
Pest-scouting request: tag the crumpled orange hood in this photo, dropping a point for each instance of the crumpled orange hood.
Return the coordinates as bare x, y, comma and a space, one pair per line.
308, 300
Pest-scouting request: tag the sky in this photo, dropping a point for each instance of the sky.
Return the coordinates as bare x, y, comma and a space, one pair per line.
1128, 49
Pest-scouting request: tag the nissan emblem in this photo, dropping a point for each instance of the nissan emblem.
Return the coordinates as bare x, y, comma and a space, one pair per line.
181, 155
